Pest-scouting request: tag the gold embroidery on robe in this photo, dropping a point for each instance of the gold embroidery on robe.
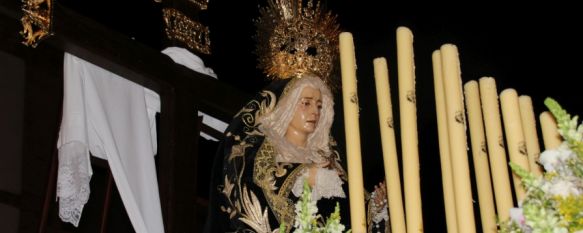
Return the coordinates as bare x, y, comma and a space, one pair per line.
254, 109
264, 175
242, 203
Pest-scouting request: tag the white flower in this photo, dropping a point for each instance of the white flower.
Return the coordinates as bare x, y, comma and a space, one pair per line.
554, 158
307, 219
303, 219
517, 216
335, 228
546, 208
563, 188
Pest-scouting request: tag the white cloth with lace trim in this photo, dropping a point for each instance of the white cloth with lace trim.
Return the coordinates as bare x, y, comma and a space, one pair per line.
114, 119
328, 184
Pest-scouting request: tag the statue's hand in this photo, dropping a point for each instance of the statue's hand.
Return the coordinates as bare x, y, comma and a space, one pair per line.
379, 204
379, 197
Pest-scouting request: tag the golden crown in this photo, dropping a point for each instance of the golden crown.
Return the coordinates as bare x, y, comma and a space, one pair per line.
293, 39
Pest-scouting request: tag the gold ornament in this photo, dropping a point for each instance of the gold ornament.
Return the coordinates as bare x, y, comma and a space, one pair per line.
36, 21
293, 39
179, 27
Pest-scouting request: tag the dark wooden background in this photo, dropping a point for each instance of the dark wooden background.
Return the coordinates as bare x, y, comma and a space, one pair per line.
534, 48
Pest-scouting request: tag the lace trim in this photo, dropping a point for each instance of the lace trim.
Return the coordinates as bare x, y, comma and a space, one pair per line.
380, 215
73, 181
378, 212
328, 184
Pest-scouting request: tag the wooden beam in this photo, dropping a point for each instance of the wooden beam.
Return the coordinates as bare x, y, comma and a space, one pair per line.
182, 92
84, 38
139, 63
9, 198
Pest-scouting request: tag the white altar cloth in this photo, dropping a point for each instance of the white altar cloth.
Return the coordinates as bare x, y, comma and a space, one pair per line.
114, 119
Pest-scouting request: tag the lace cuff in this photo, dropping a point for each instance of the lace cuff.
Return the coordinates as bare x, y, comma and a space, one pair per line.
328, 184
73, 181
380, 215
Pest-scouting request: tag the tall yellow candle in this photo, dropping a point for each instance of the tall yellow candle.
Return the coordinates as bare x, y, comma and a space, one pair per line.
514, 136
530, 135
389, 146
480, 155
409, 141
457, 138
496, 151
551, 137
352, 131
443, 136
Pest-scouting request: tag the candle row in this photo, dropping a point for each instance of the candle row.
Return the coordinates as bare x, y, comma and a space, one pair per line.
488, 146
408, 136
487, 140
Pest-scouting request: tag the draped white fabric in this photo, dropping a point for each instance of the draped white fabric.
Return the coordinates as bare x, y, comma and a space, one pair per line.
113, 119
186, 58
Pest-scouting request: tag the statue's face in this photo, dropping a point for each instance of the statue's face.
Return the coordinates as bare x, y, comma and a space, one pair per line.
307, 112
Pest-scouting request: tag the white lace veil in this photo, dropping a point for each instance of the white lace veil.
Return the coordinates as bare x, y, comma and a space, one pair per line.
275, 123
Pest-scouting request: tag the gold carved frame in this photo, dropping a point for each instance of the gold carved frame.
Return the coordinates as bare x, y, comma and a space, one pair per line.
36, 21
181, 28
201, 4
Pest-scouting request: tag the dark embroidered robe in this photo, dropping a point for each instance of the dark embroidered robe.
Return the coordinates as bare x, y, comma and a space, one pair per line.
250, 192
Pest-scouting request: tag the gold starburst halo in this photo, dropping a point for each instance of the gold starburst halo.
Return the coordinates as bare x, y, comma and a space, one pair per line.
294, 39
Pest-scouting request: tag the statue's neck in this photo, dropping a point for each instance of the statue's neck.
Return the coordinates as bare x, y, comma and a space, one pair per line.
296, 138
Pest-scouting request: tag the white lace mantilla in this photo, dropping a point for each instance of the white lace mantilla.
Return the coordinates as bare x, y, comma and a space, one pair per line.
73, 181
328, 184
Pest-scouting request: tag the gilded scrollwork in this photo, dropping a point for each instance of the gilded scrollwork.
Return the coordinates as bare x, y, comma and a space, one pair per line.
180, 27
253, 213
239, 149
295, 37
201, 4
242, 202
36, 21
254, 109
265, 176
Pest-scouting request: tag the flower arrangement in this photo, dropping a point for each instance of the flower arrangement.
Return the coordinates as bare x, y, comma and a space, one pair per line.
308, 220
554, 201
